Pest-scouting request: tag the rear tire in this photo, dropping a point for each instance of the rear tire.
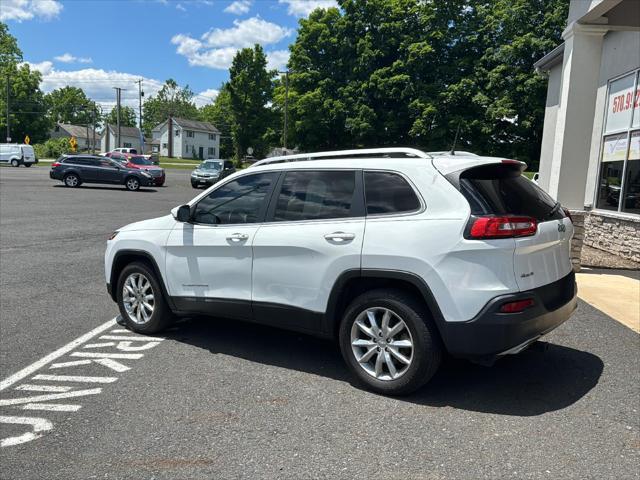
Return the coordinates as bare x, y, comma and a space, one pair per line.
132, 184
378, 359
140, 299
71, 180
15, 163
27, 165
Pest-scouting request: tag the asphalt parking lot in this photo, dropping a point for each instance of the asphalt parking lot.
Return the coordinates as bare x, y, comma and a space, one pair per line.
221, 399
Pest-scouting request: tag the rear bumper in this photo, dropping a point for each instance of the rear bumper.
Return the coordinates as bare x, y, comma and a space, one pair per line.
491, 334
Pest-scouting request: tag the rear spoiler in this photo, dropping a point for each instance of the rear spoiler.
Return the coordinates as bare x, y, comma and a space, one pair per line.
451, 164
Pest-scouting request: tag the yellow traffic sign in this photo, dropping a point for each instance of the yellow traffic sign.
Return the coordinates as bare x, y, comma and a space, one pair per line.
74, 143
27, 140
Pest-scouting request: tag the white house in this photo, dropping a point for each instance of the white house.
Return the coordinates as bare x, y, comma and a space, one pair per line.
590, 156
86, 137
183, 138
129, 138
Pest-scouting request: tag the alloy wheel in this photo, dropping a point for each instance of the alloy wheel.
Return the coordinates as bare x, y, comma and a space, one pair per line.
133, 184
138, 298
71, 181
381, 343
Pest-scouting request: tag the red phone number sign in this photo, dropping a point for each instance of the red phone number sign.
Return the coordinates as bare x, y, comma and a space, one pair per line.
624, 102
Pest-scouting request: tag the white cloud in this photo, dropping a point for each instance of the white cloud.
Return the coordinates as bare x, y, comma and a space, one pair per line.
98, 84
302, 8
245, 33
20, 10
206, 97
180, 7
68, 58
239, 7
277, 59
217, 47
43, 67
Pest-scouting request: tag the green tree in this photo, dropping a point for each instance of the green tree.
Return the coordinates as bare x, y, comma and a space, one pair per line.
127, 117
27, 111
71, 105
170, 100
250, 92
408, 72
220, 114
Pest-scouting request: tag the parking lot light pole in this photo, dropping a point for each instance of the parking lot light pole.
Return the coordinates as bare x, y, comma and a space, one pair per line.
7, 102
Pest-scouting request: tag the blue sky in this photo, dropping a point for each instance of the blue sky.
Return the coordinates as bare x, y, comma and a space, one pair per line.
99, 44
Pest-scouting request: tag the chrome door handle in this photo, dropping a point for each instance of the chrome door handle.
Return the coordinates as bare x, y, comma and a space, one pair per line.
339, 237
237, 237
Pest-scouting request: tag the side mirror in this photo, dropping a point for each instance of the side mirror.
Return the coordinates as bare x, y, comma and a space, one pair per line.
182, 213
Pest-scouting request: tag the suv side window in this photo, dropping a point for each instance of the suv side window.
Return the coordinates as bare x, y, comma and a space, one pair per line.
389, 193
240, 201
316, 195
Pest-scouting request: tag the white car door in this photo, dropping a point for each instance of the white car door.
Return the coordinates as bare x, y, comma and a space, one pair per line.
313, 233
208, 260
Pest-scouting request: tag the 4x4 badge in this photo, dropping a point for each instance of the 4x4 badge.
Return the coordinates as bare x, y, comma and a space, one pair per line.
561, 227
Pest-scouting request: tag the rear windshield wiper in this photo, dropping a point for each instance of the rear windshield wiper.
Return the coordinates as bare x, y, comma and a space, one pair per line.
555, 208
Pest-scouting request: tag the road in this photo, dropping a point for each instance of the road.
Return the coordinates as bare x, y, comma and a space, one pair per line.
219, 399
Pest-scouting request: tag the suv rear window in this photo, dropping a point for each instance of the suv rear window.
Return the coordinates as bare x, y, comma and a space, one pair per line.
309, 195
503, 190
388, 193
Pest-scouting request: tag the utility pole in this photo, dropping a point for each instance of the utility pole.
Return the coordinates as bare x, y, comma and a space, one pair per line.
170, 135
8, 129
140, 95
118, 98
286, 108
93, 130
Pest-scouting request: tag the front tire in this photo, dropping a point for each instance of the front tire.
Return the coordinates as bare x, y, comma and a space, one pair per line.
27, 165
141, 301
132, 184
389, 342
15, 163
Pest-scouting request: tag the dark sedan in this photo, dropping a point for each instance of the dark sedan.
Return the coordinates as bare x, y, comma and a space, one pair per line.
74, 170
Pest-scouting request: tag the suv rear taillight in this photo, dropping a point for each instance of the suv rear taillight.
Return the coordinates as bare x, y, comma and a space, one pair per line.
488, 227
56, 164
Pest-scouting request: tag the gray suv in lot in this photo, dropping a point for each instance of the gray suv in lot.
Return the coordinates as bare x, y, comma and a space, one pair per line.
74, 170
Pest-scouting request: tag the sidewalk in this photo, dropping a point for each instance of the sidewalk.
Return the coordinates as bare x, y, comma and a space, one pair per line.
614, 292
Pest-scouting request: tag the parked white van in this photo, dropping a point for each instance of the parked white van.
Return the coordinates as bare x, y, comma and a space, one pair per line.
17, 155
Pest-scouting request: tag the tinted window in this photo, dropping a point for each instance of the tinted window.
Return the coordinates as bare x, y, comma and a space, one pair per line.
389, 193
82, 161
309, 195
108, 163
239, 201
140, 161
500, 190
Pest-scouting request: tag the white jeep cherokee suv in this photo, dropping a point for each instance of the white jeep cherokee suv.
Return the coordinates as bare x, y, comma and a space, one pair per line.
398, 254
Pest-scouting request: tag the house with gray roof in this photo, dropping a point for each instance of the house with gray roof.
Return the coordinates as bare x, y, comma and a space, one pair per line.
86, 137
129, 138
184, 138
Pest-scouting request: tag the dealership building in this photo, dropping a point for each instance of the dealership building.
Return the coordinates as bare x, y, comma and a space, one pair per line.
590, 157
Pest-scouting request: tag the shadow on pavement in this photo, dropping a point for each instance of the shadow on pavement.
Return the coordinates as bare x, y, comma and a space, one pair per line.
120, 188
545, 378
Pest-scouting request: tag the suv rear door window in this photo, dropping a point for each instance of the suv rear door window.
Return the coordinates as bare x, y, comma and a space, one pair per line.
389, 193
316, 195
502, 190
239, 201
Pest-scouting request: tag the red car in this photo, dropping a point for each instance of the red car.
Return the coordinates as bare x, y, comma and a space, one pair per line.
138, 161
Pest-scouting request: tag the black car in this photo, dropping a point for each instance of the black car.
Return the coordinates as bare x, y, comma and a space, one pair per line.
75, 170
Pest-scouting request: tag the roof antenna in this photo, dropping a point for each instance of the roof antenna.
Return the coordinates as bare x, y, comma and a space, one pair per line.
455, 139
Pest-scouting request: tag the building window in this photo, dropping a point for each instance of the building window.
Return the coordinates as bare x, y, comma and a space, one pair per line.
211, 151
619, 178
212, 136
190, 133
177, 133
164, 145
127, 145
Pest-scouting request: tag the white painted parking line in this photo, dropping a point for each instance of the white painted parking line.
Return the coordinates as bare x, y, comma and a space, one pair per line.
43, 388
130, 356
75, 378
73, 363
25, 372
98, 345
52, 407
94, 356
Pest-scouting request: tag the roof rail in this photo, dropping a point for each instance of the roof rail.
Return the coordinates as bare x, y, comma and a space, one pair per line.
385, 152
